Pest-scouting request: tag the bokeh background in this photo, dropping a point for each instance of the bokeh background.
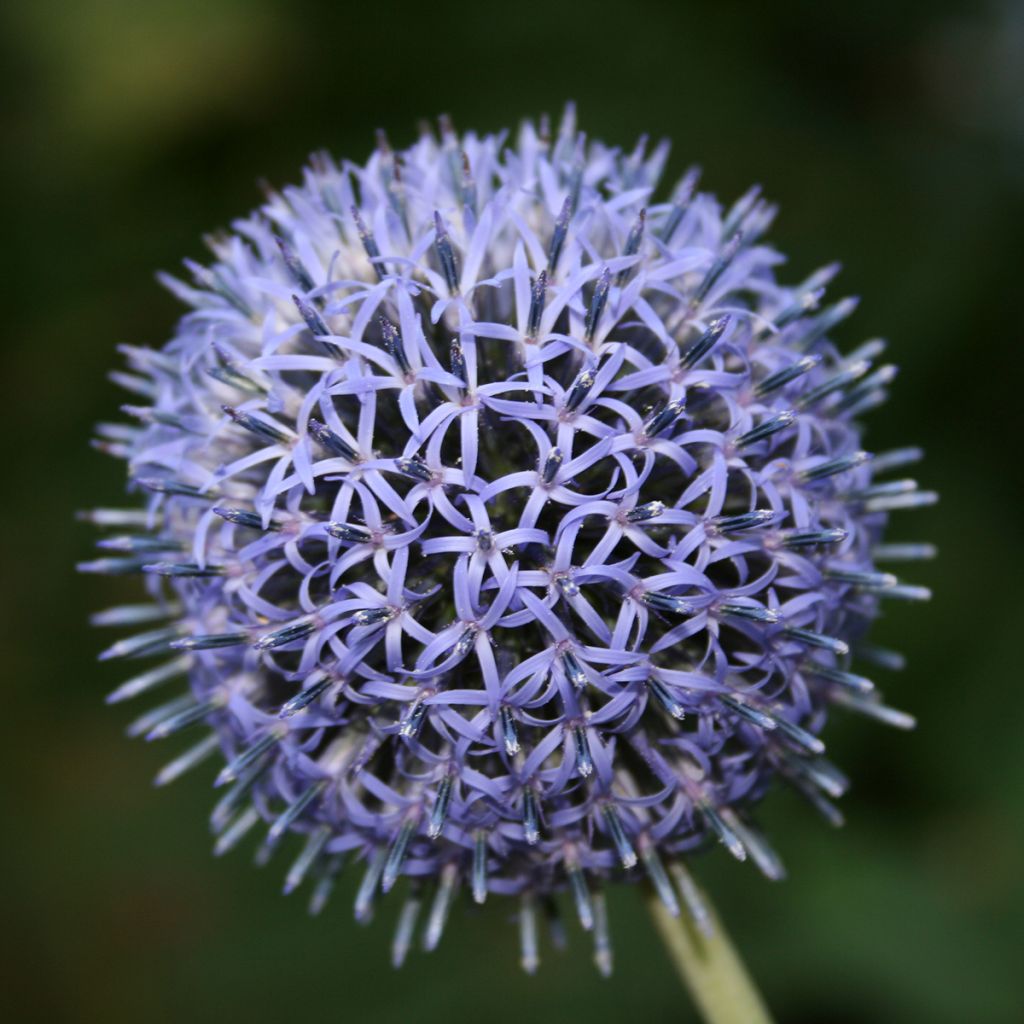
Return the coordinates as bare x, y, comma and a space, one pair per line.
892, 135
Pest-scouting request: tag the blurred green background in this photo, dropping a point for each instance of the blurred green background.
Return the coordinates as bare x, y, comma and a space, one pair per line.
891, 134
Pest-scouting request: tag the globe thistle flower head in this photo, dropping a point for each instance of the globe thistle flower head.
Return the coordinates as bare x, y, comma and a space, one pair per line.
511, 526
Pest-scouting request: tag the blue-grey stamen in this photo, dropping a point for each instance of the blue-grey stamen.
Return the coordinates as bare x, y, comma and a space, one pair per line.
853, 372
581, 746
665, 698
810, 538
210, 641
898, 502
662, 602
350, 532
907, 592
479, 874
368, 885
508, 730
750, 612
261, 428
148, 680
741, 210
294, 265
659, 877
414, 467
538, 293
680, 204
458, 362
485, 541
225, 807
285, 635
466, 641
159, 485
744, 521
766, 429
439, 812
445, 255
191, 715
141, 644
642, 513
868, 388
370, 246
821, 773
373, 616
236, 831
195, 755
800, 736
761, 853
883, 657
114, 566
818, 640
632, 247
327, 875
785, 376
559, 233
602, 936
331, 441
407, 918
850, 680
134, 614
552, 464
415, 714
827, 320
865, 580
234, 769
717, 268
575, 183
184, 569
873, 708
529, 956
725, 835
896, 458
580, 893
311, 849
294, 810
394, 345
149, 414
574, 671
833, 466
694, 902
579, 389
597, 304
241, 517
880, 490
903, 552
806, 303
662, 419
623, 846
305, 697
126, 517
227, 373
747, 711
441, 906
531, 817
705, 343
313, 320
396, 854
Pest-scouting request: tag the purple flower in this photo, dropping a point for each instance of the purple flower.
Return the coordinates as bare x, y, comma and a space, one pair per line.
511, 524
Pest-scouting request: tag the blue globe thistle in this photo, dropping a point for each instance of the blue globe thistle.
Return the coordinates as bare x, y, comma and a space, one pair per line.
510, 526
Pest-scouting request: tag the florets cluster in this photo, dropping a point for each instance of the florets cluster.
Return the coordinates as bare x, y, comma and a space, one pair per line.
512, 525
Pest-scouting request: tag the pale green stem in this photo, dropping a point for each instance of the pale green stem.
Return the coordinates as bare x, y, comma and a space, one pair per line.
710, 967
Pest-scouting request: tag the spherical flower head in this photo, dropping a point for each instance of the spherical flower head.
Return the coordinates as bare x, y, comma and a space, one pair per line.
511, 524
